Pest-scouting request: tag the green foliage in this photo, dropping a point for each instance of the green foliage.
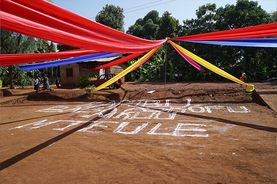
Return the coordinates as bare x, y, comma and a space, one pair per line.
20, 78
146, 27
154, 27
274, 16
15, 43
258, 63
86, 80
111, 16
89, 89
244, 13
168, 27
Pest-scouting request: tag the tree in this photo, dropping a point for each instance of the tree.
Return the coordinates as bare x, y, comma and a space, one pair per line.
111, 16
146, 27
246, 13
254, 61
169, 26
154, 27
274, 16
15, 43
258, 63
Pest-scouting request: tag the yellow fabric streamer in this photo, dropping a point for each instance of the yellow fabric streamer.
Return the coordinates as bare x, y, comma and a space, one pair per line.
249, 87
126, 71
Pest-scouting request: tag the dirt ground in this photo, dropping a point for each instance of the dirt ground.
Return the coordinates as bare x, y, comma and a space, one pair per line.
142, 133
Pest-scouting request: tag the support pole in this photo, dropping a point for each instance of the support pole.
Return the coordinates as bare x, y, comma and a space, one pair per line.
165, 58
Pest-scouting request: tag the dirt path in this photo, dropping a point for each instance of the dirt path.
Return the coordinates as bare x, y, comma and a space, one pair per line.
140, 140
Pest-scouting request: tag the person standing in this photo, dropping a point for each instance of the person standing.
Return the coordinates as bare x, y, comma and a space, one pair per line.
46, 83
36, 84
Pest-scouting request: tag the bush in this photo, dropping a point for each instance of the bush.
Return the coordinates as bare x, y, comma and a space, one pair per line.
90, 89
86, 80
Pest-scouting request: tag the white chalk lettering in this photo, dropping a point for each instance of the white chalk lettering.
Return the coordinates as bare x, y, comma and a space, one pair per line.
186, 127
153, 131
58, 109
71, 124
100, 125
37, 124
196, 109
127, 114
168, 116
243, 109
123, 125
209, 108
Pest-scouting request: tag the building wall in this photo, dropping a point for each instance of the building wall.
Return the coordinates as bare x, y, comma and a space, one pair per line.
86, 69
70, 76
116, 70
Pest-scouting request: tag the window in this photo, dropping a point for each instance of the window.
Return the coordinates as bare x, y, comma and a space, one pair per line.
69, 72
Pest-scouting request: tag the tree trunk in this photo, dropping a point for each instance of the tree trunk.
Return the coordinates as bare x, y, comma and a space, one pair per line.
10, 69
171, 72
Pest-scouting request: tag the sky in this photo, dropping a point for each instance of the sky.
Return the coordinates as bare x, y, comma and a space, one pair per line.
133, 10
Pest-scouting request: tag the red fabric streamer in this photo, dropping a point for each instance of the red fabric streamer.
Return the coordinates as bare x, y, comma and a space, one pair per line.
11, 59
146, 59
27, 27
51, 9
118, 61
247, 32
45, 20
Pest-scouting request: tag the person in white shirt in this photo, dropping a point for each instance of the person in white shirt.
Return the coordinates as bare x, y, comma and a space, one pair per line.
36, 84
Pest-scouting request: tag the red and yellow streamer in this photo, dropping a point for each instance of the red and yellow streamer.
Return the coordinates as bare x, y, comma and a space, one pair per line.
206, 64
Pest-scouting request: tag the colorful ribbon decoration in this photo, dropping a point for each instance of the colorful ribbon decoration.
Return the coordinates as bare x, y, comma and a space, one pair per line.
12, 59
189, 60
45, 20
127, 70
259, 31
212, 67
67, 61
119, 61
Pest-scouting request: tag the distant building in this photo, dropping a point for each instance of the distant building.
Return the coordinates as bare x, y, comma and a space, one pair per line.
70, 74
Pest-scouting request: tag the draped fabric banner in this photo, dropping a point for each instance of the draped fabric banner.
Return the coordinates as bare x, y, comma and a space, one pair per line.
12, 59
127, 70
213, 68
263, 42
67, 61
118, 61
188, 59
247, 32
54, 11
44, 20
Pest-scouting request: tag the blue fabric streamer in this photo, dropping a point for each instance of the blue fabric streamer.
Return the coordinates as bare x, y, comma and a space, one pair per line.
264, 40
67, 61
240, 44
244, 42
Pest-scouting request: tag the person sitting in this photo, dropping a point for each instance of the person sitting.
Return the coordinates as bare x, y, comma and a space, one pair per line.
243, 77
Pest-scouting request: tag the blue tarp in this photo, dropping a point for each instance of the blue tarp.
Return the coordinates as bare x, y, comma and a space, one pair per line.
67, 61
